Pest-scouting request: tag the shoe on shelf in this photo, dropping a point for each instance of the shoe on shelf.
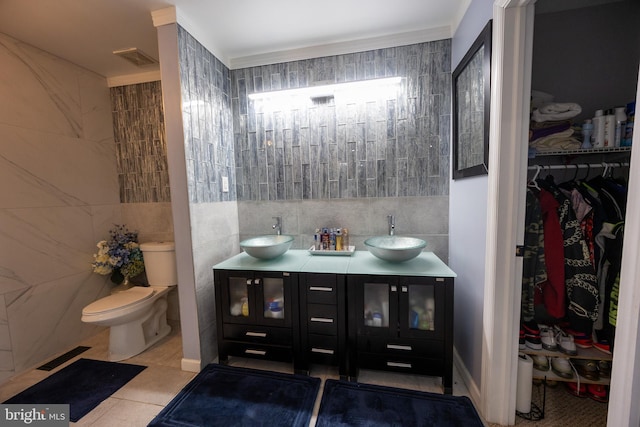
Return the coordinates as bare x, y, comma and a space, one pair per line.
531, 328
573, 389
598, 392
534, 343
604, 368
565, 343
541, 363
586, 368
580, 339
548, 338
561, 367
521, 340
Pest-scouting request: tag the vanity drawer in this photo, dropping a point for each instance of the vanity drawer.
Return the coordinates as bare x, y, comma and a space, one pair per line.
257, 351
323, 349
401, 347
322, 319
258, 334
416, 365
321, 288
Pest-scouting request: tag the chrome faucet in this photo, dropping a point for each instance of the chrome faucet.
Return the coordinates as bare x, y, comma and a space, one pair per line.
392, 224
278, 225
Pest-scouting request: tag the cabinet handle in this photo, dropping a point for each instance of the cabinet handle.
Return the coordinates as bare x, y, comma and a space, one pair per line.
249, 282
256, 281
393, 288
320, 288
404, 289
258, 352
399, 365
256, 334
399, 347
321, 319
321, 350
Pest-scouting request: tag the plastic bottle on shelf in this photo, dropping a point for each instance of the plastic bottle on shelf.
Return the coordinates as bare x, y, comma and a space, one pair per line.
598, 129
338, 239
587, 132
628, 132
609, 128
621, 122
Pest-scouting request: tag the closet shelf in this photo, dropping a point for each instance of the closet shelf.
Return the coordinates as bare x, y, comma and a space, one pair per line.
583, 353
550, 375
584, 151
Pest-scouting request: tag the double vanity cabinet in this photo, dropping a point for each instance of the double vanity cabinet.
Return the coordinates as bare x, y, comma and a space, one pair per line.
347, 311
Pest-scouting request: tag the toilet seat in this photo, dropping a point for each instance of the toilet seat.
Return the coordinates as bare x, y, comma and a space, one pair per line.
119, 300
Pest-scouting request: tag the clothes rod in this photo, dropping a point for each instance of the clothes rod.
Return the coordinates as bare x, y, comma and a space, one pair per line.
578, 166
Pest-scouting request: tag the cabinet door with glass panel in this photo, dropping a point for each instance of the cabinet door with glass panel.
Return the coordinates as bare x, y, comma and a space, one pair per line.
399, 307
255, 297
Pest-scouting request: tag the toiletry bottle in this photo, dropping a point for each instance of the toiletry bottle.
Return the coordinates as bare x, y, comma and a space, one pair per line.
316, 240
338, 239
345, 239
628, 132
609, 128
332, 239
325, 239
621, 122
598, 130
587, 131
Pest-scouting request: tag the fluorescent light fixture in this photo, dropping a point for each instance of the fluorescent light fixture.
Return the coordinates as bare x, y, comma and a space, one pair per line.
330, 90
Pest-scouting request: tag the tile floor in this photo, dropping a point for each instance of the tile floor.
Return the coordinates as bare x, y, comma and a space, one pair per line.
140, 400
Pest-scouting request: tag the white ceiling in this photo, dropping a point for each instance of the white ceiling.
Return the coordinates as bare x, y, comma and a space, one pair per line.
86, 32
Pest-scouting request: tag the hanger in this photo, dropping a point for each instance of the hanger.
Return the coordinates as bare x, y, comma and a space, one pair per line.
533, 182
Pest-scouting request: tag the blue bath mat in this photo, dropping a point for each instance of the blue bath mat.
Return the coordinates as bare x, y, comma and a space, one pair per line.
354, 404
82, 385
227, 396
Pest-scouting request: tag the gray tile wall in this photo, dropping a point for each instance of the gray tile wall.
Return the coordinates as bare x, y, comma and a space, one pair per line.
141, 152
392, 147
206, 113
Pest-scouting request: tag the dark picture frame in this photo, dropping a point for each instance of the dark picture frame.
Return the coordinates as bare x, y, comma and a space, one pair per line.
471, 101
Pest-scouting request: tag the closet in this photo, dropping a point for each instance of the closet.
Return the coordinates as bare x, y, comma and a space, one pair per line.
576, 196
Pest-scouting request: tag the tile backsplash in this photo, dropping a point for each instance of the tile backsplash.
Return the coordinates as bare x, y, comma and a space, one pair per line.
377, 146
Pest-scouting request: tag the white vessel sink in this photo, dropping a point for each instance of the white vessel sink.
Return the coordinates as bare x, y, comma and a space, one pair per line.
267, 247
395, 248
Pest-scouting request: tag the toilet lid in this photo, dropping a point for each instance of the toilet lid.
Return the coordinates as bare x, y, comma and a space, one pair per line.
119, 300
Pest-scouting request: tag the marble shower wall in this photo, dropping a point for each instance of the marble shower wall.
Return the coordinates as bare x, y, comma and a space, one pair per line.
59, 196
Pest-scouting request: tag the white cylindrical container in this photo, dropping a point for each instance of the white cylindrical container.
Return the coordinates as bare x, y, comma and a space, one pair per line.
609, 130
621, 123
598, 130
160, 263
524, 385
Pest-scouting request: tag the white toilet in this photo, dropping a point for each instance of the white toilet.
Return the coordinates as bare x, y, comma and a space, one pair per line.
138, 316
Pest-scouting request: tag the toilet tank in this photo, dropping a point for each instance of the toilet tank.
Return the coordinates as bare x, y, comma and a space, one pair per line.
160, 263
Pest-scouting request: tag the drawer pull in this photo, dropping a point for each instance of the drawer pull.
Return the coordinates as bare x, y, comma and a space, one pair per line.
320, 288
321, 350
258, 352
256, 334
321, 320
399, 347
399, 365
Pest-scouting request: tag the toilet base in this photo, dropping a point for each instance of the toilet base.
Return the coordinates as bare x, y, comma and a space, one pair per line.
130, 339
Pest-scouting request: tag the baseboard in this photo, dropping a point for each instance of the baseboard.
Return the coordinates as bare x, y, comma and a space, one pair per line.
474, 391
190, 365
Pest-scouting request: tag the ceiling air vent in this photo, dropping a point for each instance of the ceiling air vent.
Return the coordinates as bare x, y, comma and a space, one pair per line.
135, 56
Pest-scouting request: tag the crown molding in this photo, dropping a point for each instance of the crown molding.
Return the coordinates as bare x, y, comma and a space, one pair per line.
341, 48
132, 79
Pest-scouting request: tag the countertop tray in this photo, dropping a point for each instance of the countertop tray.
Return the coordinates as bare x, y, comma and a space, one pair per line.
349, 252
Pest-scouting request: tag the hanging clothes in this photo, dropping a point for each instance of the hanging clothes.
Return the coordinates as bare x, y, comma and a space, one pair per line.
580, 278
534, 268
550, 298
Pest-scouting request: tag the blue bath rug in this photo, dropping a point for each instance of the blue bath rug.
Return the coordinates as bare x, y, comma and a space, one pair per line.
354, 404
228, 396
82, 385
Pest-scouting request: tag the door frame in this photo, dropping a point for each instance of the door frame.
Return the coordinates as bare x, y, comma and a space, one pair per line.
510, 92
